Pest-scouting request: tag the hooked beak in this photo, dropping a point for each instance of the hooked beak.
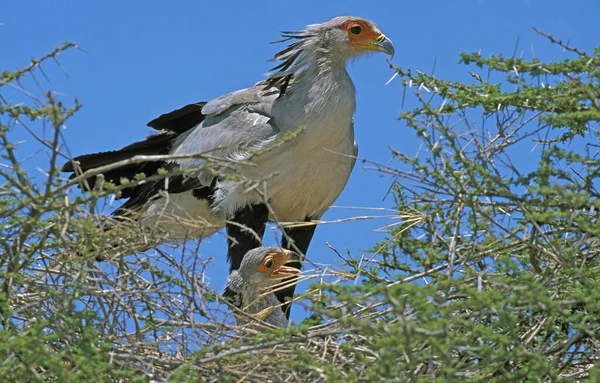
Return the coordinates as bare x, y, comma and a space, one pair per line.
385, 45
284, 271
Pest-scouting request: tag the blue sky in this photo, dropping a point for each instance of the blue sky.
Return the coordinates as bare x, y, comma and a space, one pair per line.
145, 58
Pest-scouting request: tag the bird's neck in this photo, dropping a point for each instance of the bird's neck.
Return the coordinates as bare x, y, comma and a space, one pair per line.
323, 70
252, 299
321, 100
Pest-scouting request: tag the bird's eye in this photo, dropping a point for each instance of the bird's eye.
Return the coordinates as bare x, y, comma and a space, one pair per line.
269, 263
356, 30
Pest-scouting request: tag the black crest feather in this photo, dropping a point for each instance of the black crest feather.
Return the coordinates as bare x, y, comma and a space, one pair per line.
280, 76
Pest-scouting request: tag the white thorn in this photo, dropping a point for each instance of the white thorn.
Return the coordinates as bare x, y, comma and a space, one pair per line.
390, 80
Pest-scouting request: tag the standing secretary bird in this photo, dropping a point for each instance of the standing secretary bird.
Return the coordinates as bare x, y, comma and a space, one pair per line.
288, 179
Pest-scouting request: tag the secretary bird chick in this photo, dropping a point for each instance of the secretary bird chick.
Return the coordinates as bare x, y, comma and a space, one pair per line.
251, 286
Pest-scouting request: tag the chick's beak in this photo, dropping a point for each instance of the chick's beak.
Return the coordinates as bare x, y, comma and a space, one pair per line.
283, 271
385, 45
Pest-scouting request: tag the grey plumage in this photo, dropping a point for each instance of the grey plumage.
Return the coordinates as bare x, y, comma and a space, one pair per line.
254, 280
308, 91
306, 174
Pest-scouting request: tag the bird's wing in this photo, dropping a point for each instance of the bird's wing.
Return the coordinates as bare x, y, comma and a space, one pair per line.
230, 126
235, 125
157, 144
171, 126
233, 289
180, 120
226, 127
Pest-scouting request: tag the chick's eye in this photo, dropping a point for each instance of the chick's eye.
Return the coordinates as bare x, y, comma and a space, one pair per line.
356, 30
269, 263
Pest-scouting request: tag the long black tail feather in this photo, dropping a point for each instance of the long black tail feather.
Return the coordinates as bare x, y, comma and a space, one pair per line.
171, 125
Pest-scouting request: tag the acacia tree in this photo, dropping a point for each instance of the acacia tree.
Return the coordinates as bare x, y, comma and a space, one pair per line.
489, 274
497, 279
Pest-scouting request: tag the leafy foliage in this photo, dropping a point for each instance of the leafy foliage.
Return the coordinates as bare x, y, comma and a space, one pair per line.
507, 248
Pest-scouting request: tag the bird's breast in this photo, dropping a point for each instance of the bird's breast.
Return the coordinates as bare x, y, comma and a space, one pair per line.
308, 165
321, 109
311, 169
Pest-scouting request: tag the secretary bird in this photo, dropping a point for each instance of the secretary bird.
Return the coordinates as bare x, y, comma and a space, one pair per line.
308, 96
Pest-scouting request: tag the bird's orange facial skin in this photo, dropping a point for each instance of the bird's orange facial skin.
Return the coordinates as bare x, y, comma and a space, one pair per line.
270, 263
274, 265
361, 33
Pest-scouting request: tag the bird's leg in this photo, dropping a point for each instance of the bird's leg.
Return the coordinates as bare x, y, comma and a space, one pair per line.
245, 232
296, 239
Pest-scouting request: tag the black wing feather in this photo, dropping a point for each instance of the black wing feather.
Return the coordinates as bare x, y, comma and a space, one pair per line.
178, 183
172, 125
232, 297
180, 120
153, 145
